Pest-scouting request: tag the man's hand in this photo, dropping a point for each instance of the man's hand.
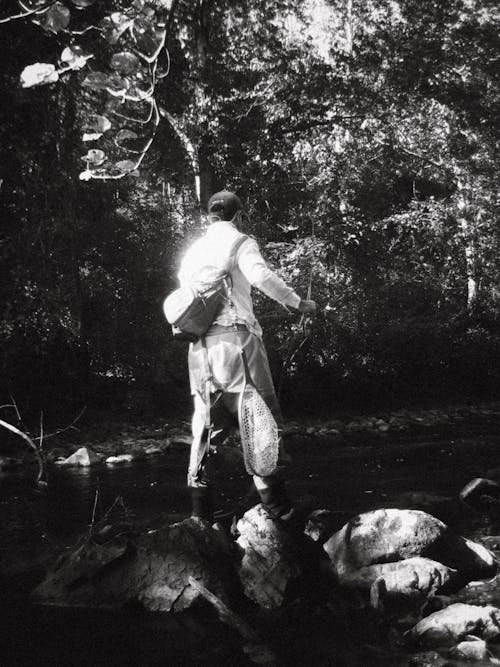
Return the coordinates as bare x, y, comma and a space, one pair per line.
308, 306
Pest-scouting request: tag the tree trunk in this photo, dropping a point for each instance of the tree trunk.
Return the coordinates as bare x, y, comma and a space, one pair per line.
193, 138
470, 261
349, 32
201, 98
190, 147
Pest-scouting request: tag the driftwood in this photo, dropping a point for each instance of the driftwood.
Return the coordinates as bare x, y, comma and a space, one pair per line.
226, 614
255, 650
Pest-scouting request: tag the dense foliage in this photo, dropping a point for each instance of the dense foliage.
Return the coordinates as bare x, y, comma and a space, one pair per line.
364, 138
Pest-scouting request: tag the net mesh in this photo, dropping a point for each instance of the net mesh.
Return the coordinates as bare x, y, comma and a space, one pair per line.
259, 433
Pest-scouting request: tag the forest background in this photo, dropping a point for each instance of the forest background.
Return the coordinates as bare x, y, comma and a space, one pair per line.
363, 137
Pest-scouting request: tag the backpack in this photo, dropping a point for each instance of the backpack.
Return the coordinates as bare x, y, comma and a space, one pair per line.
191, 309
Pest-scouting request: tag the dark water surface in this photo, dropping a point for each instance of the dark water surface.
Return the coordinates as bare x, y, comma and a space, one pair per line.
353, 476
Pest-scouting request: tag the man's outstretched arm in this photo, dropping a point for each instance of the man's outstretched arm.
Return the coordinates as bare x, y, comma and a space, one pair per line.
259, 275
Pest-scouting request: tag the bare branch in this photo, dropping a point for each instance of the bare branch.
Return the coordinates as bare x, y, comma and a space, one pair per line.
27, 12
419, 156
18, 414
84, 31
31, 444
66, 428
259, 100
40, 438
96, 498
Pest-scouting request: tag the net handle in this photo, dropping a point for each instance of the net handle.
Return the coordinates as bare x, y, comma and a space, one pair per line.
248, 377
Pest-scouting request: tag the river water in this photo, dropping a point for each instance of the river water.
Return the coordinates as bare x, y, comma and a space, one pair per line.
351, 476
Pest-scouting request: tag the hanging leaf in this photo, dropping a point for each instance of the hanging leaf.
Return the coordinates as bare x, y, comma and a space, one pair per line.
140, 93
57, 18
123, 135
94, 157
97, 123
113, 83
38, 74
125, 166
113, 104
116, 85
82, 4
74, 58
70, 53
148, 11
113, 26
91, 136
125, 62
130, 141
149, 41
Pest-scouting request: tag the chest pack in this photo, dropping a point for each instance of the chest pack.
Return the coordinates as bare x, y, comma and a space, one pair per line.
191, 309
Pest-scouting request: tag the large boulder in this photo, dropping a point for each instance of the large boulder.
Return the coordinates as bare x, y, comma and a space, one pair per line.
152, 569
415, 577
273, 566
390, 535
455, 623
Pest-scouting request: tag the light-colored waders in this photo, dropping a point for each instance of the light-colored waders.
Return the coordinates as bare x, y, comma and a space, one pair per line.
215, 412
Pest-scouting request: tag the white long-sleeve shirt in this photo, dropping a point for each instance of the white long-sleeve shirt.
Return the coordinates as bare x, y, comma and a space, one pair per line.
210, 255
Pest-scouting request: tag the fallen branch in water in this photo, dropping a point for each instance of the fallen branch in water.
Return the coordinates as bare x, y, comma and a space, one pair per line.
38, 454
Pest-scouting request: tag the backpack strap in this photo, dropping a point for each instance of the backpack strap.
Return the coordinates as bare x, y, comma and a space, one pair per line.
235, 247
228, 278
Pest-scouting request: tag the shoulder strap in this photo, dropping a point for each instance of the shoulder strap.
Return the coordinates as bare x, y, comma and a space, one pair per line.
235, 247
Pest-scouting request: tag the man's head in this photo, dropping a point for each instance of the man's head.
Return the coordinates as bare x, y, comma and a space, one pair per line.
224, 205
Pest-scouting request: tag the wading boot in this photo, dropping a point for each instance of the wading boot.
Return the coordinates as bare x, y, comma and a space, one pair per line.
202, 504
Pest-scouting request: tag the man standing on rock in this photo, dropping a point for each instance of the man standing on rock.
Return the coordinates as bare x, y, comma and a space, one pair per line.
218, 355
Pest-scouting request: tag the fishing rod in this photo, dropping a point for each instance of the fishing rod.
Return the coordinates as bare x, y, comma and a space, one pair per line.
291, 353
303, 331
